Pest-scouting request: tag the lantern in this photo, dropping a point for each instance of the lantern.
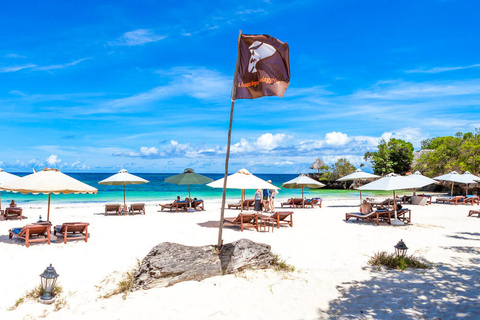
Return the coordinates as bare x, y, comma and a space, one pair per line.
400, 249
48, 278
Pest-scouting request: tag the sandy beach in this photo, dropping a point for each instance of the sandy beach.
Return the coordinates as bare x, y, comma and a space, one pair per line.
331, 279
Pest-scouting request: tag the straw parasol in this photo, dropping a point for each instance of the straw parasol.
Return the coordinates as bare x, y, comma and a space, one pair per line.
243, 180
455, 177
48, 181
318, 164
123, 178
358, 175
301, 182
188, 177
392, 182
6, 177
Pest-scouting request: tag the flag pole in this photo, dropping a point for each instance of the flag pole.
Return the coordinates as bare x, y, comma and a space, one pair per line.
224, 194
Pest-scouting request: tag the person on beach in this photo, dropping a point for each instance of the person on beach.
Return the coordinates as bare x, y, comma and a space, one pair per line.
266, 201
13, 204
271, 194
365, 207
258, 200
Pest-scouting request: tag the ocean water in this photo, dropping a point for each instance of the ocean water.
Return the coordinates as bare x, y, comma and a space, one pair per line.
158, 190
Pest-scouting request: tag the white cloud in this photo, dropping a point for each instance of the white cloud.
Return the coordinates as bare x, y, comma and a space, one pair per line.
336, 138
13, 55
137, 37
52, 160
270, 141
60, 66
16, 68
441, 69
147, 152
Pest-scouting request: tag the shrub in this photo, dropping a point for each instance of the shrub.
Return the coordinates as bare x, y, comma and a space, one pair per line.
391, 261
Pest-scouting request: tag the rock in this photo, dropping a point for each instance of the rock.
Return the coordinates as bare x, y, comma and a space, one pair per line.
169, 263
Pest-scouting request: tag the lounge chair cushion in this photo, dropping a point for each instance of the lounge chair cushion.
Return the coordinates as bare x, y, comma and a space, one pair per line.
16, 230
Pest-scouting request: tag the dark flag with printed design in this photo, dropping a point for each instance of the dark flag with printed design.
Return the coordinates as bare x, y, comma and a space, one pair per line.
263, 67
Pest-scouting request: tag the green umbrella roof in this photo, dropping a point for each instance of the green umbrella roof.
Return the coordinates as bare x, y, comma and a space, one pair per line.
188, 177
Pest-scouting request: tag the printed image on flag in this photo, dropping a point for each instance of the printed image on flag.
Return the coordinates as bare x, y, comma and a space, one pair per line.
263, 68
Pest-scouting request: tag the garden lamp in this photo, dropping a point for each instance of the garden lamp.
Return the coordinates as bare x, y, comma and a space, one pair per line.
48, 278
400, 249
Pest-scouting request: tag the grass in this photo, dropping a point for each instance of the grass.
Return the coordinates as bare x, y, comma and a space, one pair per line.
125, 285
391, 261
280, 264
34, 294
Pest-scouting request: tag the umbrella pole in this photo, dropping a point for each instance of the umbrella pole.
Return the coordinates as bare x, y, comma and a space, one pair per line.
242, 196
124, 203
451, 193
359, 185
395, 204
0, 201
303, 199
189, 198
227, 156
48, 210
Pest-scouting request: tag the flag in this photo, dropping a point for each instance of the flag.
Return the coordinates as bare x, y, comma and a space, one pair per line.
263, 67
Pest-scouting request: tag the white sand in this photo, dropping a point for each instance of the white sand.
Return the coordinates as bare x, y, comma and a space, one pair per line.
332, 279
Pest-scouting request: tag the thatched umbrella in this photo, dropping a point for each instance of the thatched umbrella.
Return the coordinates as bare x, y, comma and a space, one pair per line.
318, 164
4, 178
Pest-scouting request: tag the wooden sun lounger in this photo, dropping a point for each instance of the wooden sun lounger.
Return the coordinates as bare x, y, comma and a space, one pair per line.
198, 205
114, 208
376, 216
455, 200
247, 204
245, 220
312, 202
137, 208
12, 213
385, 203
473, 212
280, 218
32, 233
174, 205
404, 215
294, 203
472, 200
72, 231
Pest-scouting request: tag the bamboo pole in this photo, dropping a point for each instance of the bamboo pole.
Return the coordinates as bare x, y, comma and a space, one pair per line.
48, 210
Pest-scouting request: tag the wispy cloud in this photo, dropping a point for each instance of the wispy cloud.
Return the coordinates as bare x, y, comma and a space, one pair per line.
441, 69
13, 55
35, 67
16, 68
137, 37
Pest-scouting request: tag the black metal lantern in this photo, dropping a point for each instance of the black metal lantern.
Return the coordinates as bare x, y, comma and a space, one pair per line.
48, 278
400, 249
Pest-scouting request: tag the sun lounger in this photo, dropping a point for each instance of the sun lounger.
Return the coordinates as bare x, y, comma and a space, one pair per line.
294, 203
137, 208
455, 200
281, 218
198, 205
247, 204
175, 205
471, 213
472, 200
32, 233
72, 231
245, 220
12, 213
404, 215
114, 208
312, 202
376, 216
387, 203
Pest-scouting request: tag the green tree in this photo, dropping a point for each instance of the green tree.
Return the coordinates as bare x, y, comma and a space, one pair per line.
396, 156
342, 167
469, 153
444, 155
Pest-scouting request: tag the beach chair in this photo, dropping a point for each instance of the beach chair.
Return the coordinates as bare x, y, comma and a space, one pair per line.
387, 203
245, 220
13, 213
198, 205
312, 202
471, 213
282, 218
247, 204
293, 203
175, 205
32, 233
115, 208
375, 216
472, 200
455, 200
404, 215
72, 231
137, 208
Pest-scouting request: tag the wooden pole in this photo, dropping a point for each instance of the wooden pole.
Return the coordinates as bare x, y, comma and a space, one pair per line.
48, 210
303, 200
124, 203
227, 156
451, 193
359, 185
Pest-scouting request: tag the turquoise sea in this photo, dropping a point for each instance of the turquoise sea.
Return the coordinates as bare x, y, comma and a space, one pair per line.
158, 190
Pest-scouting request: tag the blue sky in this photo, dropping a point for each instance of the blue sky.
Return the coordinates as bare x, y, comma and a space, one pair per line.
145, 85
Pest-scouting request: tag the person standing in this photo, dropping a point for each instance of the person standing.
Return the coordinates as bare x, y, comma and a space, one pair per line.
266, 200
272, 194
258, 200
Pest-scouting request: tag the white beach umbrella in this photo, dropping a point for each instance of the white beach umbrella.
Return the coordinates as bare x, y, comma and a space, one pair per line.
472, 177
392, 182
301, 182
421, 178
242, 180
6, 177
359, 175
47, 181
455, 177
123, 178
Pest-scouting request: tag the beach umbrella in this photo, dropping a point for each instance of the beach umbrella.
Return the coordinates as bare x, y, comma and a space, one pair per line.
188, 177
421, 178
242, 180
358, 175
471, 176
393, 182
455, 177
4, 178
47, 181
123, 178
301, 182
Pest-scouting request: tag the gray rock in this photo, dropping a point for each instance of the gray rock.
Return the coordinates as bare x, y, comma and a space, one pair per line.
169, 263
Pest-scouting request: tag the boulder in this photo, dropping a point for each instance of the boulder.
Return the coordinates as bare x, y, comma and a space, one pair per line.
169, 263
